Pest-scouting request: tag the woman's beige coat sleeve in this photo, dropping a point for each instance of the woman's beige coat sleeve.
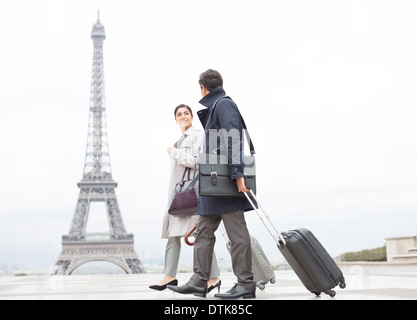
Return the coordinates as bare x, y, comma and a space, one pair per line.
187, 153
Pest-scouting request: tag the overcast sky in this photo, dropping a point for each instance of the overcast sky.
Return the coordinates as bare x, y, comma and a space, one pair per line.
327, 89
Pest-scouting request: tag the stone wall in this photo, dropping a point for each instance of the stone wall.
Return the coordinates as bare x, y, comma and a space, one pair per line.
402, 249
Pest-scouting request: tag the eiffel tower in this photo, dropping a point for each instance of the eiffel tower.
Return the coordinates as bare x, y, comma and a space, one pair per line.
97, 185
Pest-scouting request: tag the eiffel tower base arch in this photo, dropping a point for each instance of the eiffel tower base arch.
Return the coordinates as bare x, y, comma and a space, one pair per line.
119, 252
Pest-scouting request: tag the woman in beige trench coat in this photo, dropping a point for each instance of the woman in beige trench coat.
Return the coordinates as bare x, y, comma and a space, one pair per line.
183, 155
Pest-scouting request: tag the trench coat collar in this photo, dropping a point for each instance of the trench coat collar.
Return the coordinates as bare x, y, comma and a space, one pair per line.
189, 131
185, 135
212, 96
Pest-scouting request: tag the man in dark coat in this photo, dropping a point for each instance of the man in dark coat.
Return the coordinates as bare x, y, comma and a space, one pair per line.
212, 210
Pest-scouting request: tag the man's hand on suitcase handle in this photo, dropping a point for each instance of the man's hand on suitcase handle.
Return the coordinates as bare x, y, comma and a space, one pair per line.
241, 186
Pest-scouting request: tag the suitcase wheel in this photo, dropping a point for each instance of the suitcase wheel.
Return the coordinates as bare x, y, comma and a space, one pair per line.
331, 293
260, 285
272, 280
342, 285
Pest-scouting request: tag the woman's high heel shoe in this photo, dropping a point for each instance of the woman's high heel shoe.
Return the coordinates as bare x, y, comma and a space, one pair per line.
160, 288
218, 284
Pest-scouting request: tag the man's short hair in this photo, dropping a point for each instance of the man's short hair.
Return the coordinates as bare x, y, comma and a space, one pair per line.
211, 79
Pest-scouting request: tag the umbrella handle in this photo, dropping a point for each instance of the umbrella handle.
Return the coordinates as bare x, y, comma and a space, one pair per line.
188, 235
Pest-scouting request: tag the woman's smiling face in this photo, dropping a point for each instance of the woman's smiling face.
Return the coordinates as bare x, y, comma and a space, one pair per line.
184, 118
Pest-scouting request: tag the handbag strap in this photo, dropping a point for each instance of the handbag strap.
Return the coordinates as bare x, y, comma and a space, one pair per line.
195, 180
251, 146
189, 171
185, 171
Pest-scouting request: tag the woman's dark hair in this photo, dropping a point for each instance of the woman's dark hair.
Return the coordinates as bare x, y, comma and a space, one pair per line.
211, 79
183, 106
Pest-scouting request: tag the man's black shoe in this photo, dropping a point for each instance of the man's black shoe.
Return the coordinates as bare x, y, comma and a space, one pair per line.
237, 292
189, 288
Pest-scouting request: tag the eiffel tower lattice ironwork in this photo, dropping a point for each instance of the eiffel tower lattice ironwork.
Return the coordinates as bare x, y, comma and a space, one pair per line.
97, 185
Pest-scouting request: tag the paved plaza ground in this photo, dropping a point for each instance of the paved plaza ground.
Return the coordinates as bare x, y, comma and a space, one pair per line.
364, 282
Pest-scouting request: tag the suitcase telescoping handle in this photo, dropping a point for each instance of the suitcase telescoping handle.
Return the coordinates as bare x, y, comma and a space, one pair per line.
279, 239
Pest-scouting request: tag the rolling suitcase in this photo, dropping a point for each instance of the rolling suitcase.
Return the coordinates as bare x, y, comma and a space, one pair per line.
305, 254
261, 267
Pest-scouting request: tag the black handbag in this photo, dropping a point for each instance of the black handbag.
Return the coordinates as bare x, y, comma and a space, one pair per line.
215, 180
186, 196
